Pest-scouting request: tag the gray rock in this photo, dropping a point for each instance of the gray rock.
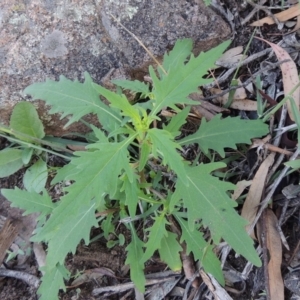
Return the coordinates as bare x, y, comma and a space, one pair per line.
44, 39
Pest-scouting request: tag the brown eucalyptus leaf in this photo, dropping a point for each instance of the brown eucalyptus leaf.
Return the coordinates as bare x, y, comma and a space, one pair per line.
231, 56
289, 75
246, 104
283, 16
274, 246
251, 204
240, 187
239, 99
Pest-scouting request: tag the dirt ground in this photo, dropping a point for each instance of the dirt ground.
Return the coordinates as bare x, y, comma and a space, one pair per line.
95, 265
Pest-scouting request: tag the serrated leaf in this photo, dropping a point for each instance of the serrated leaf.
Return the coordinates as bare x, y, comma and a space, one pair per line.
177, 121
69, 234
24, 119
169, 251
107, 226
95, 174
36, 176
175, 87
75, 99
134, 259
181, 50
99, 134
67, 172
156, 233
164, 147
131, 190
52, 282
146, 149
10, 162
220, 133
29, 201
201, 250
118, 101
134, 86
206, 199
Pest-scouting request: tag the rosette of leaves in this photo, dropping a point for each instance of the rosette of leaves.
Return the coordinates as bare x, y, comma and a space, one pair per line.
121, 173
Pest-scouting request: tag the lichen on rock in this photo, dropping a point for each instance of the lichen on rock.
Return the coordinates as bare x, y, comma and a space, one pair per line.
120, 9
53, 45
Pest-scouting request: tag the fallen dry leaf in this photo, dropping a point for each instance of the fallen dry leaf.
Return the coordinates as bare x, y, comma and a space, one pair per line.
40, 255
283, 16
246, 104
205, 109
289, 76
297, 26
263, 144
215, 288
251, 204
260, 142
188, 265
274, 246
240, 187
92, 274
239, 99
231, 56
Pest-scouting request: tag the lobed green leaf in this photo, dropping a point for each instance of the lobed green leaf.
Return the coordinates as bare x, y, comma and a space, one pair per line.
73, 229
156, 233
134, 259
31, 202
131, 190
201, 250
184, 78
177, 57
206, 198
133, 86
95, 174
169, 251
52, 281
75, 99
119, 101
163, 146
218, 133
177, 121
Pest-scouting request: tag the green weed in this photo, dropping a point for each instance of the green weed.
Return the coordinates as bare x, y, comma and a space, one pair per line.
120, 176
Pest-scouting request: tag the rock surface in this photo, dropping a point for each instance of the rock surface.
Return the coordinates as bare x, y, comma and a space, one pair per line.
44, 39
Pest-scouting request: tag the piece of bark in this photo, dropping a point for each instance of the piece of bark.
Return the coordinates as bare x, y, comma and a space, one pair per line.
7, 235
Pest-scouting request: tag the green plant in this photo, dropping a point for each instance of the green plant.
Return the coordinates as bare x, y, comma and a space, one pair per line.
134, 171
25, 131
30, 147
